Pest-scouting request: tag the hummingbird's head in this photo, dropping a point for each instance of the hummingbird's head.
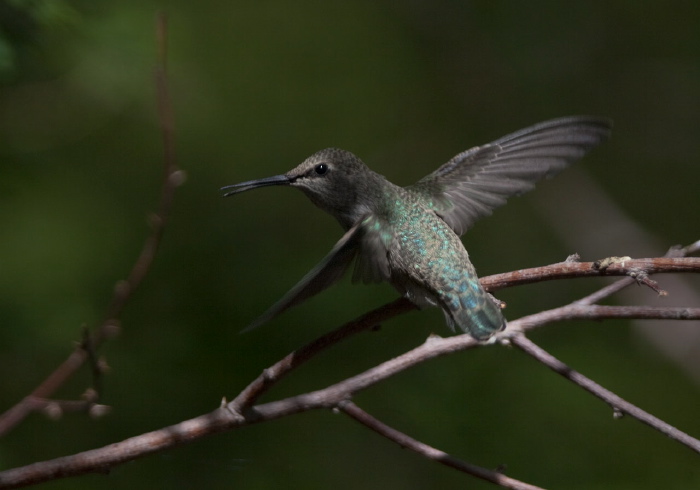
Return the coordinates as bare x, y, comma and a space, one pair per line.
335, 180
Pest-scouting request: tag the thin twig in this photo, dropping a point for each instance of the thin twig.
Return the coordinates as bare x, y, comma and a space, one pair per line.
619, 285
619, 405
281, 368
691, 249
430, 452
123, 289
95, 365
568, 270
574, 311
605, 292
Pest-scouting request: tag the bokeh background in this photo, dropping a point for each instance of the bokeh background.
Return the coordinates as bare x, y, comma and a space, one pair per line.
257, 87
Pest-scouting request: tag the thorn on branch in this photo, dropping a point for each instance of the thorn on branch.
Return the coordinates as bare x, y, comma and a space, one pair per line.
90, 395
53, 410
97, 411
103, 366
177, 178
110, 329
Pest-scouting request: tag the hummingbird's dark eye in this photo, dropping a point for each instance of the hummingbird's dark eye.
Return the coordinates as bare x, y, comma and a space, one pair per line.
321, 168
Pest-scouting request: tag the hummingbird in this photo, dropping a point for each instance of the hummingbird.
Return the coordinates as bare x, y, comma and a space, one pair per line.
409, 236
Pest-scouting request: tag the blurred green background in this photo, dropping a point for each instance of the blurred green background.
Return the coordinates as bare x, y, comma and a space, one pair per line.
257, 87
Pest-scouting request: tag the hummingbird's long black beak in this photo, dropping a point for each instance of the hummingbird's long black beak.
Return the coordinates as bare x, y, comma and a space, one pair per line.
230, 190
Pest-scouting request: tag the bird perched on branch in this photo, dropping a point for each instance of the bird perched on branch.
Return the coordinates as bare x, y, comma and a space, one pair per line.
409, 236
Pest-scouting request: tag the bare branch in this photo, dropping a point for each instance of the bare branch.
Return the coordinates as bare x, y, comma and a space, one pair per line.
281, 368
239, 412
619, 405
429, 452
568, 270
575, 311
229, 416
102, 459
275, 372
610, 289
233, 415
123, 290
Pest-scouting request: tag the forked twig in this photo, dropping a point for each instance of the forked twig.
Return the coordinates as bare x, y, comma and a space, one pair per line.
123, 290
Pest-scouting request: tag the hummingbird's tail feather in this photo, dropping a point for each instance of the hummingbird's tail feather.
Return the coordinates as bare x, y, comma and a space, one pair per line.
479, 316
481, 323
325, 274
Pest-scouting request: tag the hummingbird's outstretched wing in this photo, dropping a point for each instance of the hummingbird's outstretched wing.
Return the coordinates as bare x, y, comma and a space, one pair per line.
477, 181
332, 268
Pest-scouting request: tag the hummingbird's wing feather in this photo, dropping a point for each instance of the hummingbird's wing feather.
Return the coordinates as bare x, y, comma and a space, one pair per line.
372, 263
326, 273
477, 181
